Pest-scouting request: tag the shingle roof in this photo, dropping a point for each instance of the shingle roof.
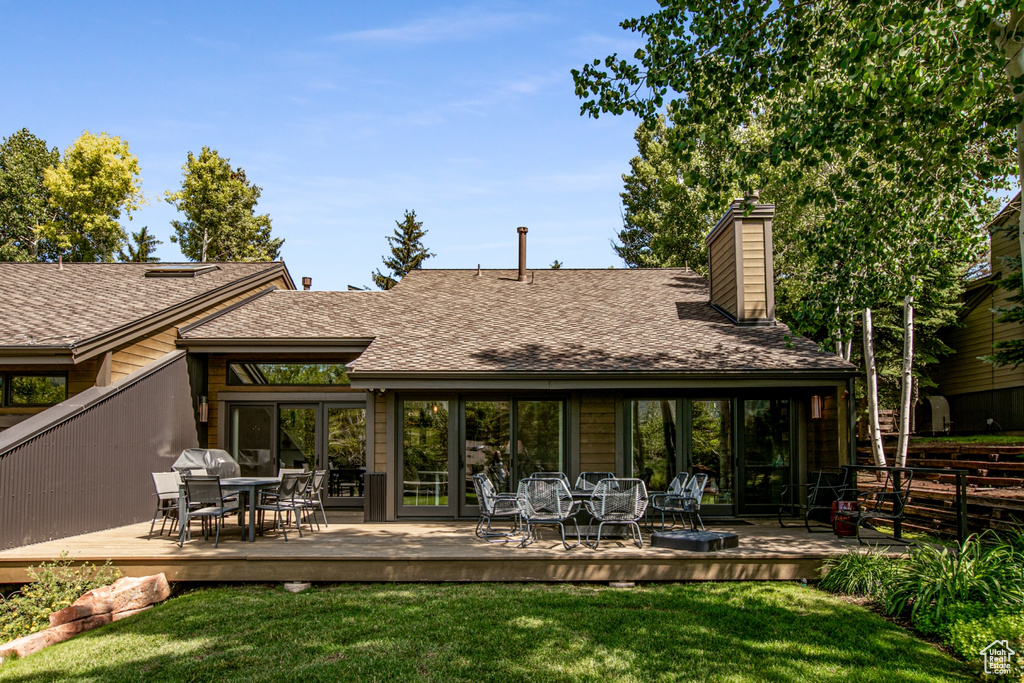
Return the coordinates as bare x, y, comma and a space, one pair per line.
289, 314
572, 321
44, 306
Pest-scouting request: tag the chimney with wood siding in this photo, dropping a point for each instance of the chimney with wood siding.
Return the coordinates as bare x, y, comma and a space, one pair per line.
740, 263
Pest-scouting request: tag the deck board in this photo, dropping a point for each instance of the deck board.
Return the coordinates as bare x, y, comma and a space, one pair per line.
348, 550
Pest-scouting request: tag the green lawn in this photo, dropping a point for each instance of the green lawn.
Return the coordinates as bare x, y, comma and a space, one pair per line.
987, 439
491, 632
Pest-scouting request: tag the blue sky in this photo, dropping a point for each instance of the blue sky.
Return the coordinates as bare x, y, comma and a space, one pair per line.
346, 114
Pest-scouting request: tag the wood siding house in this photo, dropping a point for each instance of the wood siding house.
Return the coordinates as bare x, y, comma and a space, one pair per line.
978, 391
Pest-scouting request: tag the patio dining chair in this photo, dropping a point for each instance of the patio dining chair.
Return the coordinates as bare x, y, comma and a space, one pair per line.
617, 501
494, 505
205, 500
311, 497
666, 501
546, 502
588, 480
166, 485
685, 505
284, 502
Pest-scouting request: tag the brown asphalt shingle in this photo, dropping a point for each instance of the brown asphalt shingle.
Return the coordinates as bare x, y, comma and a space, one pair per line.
44, 306
449, 321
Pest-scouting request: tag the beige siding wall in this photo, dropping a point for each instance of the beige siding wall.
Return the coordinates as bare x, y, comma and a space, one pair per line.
131, 357
755, 298
963, 372
723, 270
597, 433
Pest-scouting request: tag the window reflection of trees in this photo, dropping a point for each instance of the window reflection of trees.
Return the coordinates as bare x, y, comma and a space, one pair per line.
712, 447
346, 437
539, 437
654, 441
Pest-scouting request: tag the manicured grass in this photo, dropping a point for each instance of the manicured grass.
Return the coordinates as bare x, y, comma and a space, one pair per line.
489, 632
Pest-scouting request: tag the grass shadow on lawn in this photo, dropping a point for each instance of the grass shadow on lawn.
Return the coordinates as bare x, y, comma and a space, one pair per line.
493, 632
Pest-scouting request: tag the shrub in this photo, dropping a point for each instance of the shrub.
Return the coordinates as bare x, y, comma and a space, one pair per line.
857, 573
932, 583
55, 585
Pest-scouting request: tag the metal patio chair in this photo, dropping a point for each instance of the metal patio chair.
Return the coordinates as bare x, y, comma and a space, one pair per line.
553, 475
617, 501
887, 503
666, 501
311, 497
546, 502
167, 486
204, 500
494, 505
284, 502
588, 480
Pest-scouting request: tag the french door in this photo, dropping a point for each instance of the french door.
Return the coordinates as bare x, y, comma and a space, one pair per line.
265, 438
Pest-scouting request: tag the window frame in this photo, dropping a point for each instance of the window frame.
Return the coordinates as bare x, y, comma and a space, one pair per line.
8, 386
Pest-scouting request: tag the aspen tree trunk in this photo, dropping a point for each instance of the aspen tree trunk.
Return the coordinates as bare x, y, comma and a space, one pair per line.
907, 381
874, 429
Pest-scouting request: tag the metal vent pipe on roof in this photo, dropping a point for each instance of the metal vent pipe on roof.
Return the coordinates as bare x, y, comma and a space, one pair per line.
522, 253
307, 283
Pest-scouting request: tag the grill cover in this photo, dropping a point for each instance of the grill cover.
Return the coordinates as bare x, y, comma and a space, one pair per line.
213, 460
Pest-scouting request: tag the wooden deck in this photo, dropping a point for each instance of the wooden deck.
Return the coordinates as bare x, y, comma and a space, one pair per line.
349, 550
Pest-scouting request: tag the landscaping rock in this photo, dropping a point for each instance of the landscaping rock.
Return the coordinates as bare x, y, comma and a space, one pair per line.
73, 628
26, 645
91, 603
132, 593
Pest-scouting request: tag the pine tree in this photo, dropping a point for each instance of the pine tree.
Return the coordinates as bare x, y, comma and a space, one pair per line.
407, 251
144, 246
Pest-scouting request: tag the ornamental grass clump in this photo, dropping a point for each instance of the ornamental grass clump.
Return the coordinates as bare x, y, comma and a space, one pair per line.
935, 586
55, 585
862, 574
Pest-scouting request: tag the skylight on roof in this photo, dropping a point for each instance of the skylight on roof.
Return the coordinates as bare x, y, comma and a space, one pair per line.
181, 270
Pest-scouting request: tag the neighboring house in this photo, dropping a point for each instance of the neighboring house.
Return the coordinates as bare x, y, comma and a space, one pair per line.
459, 372
978, 391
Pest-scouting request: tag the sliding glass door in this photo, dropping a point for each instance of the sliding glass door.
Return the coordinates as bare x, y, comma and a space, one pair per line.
766, 465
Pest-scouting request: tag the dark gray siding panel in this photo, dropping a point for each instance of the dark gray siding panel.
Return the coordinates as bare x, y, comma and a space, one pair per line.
971, 412
91, 470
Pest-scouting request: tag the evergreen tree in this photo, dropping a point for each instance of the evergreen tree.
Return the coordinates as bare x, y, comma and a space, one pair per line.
407, 251
142, 250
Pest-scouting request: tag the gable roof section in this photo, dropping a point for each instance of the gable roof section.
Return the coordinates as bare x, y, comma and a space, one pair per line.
87, 308
565, 322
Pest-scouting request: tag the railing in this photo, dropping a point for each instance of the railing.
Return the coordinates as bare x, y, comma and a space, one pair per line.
960, 501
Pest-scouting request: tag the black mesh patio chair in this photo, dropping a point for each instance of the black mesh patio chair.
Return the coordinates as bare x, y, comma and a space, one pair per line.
166, 485
546, 502
205, 501
887, 503
494, 505
617, 501
692, 496
284, 502
664, 502
588, 480
311, 497
824, 488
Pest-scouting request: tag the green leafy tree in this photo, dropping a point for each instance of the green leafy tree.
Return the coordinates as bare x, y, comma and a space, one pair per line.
140, 247
556, 265
1011, 351
24, 199
865, 84
219, 204
407, 251
96, 181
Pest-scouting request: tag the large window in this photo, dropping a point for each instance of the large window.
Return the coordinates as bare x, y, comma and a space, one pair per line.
21, 390
488, 444
540, 439
767, 450
425, 453
654, 441
289, 374
711, 449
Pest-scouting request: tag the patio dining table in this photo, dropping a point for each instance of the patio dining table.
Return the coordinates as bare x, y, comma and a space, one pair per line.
247, 488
